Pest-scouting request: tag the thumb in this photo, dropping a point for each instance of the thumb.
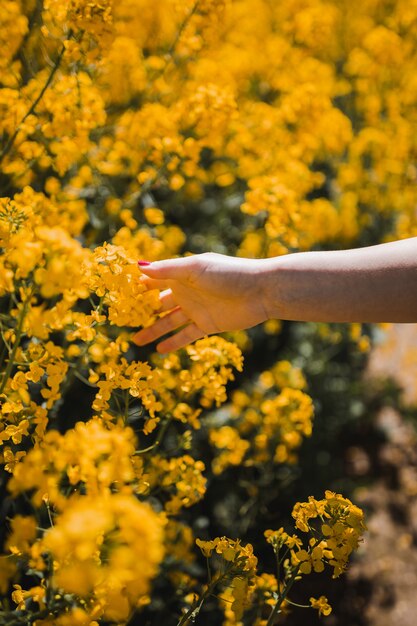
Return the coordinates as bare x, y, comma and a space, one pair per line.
166, 269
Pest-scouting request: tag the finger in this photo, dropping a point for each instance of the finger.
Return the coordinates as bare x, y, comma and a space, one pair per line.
167, 301
181, 339
162, 326
153, 283
168, 269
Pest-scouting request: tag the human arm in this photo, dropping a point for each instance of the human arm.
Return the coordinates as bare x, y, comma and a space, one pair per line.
372, 284
212, 293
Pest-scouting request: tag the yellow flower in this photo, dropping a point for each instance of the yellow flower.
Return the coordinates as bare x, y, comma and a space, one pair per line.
308, 561
100, 468
322, 605
18, 596
181, 477
232, 447
278, 538
76, 617
342, 531
23, 534
109, 546
206, 547
7, 570
154, 215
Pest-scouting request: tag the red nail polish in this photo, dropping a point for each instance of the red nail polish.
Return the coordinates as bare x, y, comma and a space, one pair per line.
143, 263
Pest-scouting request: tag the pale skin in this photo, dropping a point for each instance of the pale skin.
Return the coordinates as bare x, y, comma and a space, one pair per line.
211, 293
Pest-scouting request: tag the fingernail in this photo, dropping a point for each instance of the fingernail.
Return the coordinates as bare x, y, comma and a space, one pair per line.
143, 263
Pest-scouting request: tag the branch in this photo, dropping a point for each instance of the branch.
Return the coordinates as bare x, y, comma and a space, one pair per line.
181, 29
35, 103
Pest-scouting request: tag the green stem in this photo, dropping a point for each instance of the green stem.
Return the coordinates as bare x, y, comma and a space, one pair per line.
282, 597
19, 330
300, 606
127, 398
48, 508
278, 560
35, 103
3, 348
181, 29
159, 440
195, 609
6, 347
21, 618
83, 379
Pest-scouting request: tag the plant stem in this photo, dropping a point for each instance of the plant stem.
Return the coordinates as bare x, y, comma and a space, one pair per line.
278, 573
34, 104
282, 597
181, 29
194, 610
16, 344
301, 606
126, 412
21, 618
160, 437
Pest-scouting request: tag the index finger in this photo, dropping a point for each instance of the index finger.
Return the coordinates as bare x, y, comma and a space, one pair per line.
154, 283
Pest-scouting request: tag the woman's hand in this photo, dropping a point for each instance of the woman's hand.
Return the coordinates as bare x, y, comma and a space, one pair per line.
211, 293
203, 294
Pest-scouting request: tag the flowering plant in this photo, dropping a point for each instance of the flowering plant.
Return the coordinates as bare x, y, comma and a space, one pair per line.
123, 127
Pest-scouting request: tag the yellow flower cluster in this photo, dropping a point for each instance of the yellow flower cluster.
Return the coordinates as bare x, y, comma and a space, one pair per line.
341, 525
37, 246
13, 27
105, 545
321, 604
212, 363
94, 470
181, 478
334, 518
239, 572
68, 465
90, 23
111, 546
198, 381
332, 542
230, 550
267, 422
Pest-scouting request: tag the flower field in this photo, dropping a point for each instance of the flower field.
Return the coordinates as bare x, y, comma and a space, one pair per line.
207, 485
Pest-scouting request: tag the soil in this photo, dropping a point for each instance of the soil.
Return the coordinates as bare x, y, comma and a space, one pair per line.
382, 581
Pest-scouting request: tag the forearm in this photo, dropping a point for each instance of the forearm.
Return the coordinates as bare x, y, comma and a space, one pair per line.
373, 284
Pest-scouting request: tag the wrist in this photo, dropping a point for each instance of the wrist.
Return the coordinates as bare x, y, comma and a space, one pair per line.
272, 276
288, 285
